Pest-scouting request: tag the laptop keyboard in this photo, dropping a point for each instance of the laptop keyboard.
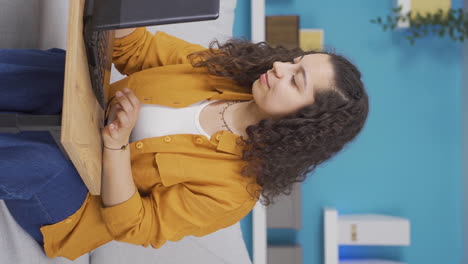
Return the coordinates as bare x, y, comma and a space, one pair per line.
99, 42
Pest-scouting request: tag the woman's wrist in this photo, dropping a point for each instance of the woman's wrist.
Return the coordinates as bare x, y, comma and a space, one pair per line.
115, 146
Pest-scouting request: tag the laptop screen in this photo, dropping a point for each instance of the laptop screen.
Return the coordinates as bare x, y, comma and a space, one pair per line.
115, 14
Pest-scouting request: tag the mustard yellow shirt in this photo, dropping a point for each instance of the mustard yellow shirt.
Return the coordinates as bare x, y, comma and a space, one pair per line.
187, 184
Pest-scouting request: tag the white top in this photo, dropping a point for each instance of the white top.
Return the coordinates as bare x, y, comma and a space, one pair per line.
158, 120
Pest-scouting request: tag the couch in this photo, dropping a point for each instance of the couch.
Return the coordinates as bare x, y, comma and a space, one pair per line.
43, 24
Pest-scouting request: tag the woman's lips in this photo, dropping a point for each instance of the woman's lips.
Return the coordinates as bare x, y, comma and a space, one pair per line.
264, 78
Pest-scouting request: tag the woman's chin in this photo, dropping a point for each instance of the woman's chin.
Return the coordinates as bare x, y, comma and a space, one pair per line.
258, 85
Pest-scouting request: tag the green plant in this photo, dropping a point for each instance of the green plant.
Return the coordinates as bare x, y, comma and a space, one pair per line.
453, 23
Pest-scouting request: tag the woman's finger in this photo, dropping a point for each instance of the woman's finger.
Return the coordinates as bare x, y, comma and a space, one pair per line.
132, 97
123, 119
124, 102
112, 129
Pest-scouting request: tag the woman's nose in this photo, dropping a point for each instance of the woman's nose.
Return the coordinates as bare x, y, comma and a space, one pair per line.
280, 68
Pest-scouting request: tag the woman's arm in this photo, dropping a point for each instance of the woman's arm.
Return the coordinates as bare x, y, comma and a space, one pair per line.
120, 33
142, 49
117, 184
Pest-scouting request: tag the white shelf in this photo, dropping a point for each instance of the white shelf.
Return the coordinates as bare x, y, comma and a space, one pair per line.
259, 235
257, 8
258, 20
330, 231
373, 230
362, 229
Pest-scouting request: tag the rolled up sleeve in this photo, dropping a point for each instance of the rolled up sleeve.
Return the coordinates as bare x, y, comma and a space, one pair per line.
119, 218
169, 213
141, 50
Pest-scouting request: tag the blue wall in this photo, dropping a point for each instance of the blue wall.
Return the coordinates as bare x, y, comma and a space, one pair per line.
406, 162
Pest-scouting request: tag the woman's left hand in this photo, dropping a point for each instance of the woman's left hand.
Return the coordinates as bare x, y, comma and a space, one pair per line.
117, 132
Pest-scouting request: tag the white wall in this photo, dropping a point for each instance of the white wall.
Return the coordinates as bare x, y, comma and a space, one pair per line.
19, 27
54, 23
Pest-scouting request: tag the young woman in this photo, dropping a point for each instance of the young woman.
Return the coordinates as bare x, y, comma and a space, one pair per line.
193, 138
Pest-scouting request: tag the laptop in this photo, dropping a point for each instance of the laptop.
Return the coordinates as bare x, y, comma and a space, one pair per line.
102, 16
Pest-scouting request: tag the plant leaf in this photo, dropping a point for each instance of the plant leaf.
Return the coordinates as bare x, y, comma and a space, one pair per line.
451, 32
442, 32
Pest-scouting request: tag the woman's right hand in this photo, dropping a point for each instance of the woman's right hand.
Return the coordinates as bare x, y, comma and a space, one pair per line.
120, 33
117, 132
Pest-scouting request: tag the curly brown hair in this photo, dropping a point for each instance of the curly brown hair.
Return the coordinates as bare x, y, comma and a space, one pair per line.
284, 151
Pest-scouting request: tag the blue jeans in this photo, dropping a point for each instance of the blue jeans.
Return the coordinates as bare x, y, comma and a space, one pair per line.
39, 185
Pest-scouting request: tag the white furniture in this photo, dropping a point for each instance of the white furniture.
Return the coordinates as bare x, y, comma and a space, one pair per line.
16, 246
369, 230
259, 236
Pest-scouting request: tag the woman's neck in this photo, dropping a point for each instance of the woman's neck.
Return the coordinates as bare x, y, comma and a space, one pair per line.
241, 115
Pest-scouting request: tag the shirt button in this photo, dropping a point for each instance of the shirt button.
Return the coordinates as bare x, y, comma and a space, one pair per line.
218, 137
139, 145
167, 139
199, 140
68, 221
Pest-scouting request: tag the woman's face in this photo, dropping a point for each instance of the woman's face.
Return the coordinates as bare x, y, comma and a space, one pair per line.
288, 87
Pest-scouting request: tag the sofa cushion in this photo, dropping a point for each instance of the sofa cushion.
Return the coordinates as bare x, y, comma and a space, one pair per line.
223, 246
17, 246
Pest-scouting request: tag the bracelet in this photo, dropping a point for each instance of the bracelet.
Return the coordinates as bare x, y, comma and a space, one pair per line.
121, 148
